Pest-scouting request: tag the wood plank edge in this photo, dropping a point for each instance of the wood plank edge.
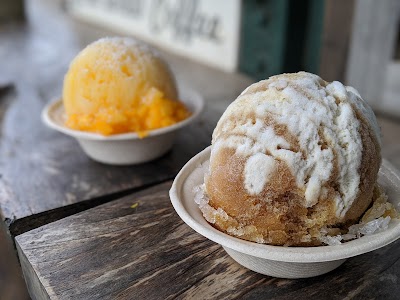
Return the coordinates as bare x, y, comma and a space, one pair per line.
35, 286
20, 226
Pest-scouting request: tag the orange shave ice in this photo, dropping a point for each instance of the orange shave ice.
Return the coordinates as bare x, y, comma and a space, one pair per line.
116, 85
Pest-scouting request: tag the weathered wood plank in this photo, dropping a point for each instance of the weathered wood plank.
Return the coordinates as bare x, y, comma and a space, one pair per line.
44, 173
123, 251
43, 170
33, 284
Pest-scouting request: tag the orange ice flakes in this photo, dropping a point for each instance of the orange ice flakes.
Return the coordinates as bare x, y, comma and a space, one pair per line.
154, 111
117, 85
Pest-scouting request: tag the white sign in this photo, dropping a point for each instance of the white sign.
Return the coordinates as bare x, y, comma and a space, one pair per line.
206, 30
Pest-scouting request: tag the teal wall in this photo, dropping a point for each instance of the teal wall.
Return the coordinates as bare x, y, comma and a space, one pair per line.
280, 36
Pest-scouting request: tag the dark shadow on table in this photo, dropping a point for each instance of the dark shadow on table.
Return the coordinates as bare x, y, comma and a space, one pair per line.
12, 285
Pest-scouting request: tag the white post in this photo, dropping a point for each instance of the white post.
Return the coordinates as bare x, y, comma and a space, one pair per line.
371, 47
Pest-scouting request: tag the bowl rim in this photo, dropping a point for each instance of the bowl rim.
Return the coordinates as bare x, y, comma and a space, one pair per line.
189, 96
280, 253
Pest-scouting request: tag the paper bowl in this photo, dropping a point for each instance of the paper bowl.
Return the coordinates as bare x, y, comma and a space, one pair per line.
279, 261
126, 148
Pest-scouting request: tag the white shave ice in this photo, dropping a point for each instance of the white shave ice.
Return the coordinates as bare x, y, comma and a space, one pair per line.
324, 120
294, 162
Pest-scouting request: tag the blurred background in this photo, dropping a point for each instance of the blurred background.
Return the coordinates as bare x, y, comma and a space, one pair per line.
353, 41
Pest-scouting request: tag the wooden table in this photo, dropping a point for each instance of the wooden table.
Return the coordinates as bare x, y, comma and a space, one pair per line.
85, 230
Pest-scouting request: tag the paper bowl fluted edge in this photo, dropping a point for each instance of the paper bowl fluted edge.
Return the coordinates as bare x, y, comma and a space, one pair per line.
192, 174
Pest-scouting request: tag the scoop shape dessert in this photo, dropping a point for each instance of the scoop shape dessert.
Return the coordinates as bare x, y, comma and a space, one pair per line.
292, 157
117, 85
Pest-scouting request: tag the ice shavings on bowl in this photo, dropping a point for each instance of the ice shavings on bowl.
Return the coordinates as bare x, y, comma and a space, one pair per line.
377, 218
209, 213
213, 215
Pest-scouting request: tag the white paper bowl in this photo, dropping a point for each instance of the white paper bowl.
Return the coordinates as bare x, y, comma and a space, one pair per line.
279, 261
126, 148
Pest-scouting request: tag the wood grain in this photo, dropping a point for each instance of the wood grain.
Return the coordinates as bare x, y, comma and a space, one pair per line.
43, 170
116, 251
123, 251
45, 174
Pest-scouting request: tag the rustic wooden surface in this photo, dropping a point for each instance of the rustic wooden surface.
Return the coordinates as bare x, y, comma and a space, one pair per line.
46, 174
114, 251
43, 169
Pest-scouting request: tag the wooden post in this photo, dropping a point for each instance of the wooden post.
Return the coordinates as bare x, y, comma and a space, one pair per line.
371, 47
335, 39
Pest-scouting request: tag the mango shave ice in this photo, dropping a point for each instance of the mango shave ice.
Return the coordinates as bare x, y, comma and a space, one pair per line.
117, 85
